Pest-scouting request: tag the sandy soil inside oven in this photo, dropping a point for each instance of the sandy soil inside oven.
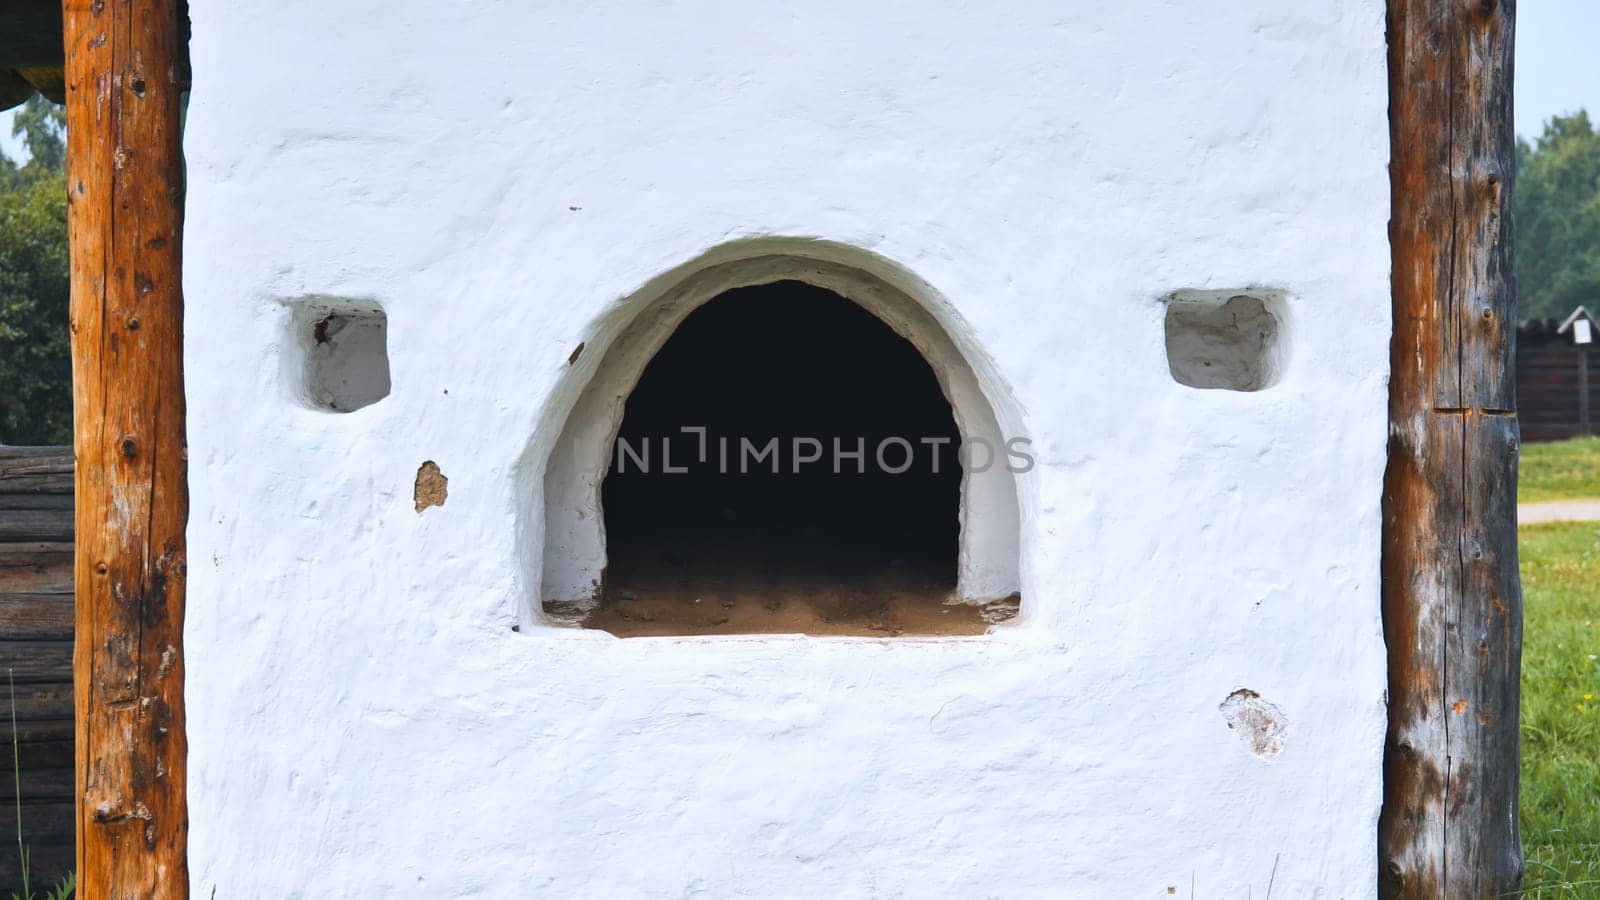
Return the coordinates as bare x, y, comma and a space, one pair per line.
702, 585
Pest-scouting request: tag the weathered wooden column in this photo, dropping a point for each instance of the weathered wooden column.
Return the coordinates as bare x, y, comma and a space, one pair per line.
1585, 423
1452, 600
124, 184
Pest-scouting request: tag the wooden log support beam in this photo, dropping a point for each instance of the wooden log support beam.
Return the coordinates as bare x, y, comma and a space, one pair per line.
1585, 424
1452, 600
124, 184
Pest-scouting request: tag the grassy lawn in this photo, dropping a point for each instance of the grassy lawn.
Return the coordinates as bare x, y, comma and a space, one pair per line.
1563, 470
1561, 709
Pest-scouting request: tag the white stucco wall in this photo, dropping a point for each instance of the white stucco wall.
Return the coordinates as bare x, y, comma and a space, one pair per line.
498, 177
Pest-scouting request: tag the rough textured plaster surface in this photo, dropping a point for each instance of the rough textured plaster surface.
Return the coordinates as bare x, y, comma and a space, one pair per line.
499, 176
1260, 725
431, 487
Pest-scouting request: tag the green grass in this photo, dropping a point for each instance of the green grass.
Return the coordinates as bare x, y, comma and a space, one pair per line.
1561, 709
68, 885
1561, 676
1563, 470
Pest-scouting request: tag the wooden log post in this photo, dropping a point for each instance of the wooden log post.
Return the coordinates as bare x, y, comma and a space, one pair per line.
124, 184
1452, 599
1585, 422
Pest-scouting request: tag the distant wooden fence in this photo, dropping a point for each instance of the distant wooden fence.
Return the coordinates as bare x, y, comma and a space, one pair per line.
36, 647
1547, 381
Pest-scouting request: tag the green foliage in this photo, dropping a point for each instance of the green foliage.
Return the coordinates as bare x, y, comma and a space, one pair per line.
1561, 709
1560, 470
35, 351
1558, 219
63, 890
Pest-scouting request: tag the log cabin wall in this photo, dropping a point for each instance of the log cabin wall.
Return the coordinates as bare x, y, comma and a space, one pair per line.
1547, 381
36, 539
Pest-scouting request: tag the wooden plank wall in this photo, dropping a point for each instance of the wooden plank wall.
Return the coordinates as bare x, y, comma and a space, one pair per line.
1547, 382
36, 616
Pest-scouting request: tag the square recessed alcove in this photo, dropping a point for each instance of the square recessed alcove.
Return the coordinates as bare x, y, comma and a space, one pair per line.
340, 353
1225, 340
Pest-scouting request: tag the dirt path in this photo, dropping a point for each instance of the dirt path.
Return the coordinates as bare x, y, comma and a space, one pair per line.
1558, 511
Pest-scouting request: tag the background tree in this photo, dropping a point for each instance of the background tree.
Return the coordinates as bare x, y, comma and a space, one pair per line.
35, 354
1558, 219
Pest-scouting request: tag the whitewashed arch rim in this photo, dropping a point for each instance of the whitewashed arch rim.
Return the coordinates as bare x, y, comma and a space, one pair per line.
562, 522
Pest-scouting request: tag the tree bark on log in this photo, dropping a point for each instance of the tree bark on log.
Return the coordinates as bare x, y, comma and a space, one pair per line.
1452, 599
125, 212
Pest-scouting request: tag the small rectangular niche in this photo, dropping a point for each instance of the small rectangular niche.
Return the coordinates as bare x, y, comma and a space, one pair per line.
1225, 340
343, 350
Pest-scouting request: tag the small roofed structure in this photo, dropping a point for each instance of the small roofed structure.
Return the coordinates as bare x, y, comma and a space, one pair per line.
1582, 324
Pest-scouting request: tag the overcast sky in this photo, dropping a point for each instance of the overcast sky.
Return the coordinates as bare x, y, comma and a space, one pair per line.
1558, 61
1558, 65
9, 144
